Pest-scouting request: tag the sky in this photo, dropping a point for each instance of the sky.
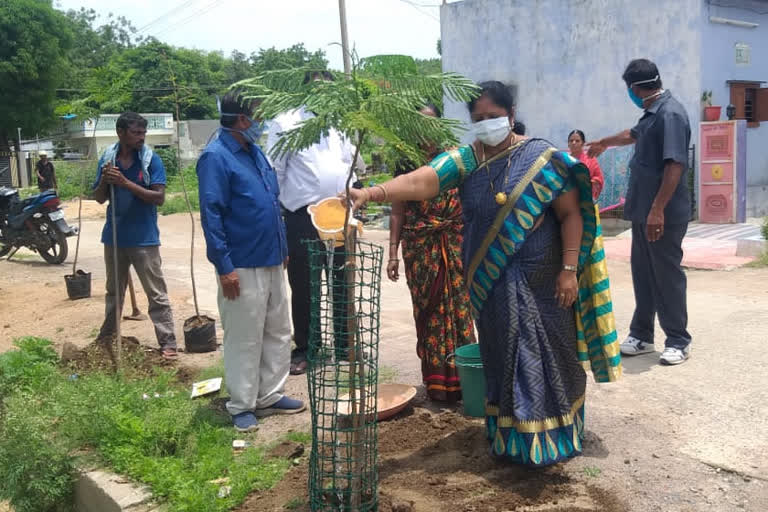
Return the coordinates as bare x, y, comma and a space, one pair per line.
408, 27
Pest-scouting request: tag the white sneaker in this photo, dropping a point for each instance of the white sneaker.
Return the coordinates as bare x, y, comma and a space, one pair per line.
633, 346
673, 356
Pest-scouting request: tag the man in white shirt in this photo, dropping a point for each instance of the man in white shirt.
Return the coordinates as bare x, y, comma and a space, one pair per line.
305, 178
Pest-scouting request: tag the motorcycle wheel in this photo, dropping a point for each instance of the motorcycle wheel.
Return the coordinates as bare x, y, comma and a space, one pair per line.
57, 252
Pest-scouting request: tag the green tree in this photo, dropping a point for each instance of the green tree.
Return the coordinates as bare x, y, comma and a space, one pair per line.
294, 57
34, 39
429, 66
201, 74
93, 46
381, 100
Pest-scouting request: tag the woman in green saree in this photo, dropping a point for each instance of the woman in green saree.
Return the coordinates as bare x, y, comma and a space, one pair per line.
537, 278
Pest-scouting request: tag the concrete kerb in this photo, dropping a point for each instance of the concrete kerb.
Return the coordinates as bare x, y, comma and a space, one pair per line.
102, 491
751, 247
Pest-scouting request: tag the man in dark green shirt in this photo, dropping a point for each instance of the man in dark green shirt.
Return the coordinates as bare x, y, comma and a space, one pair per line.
658, 205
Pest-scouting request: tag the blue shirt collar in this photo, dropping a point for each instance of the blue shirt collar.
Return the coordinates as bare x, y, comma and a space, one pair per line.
230, 142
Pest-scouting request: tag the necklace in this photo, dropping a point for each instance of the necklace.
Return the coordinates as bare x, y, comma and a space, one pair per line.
500, 197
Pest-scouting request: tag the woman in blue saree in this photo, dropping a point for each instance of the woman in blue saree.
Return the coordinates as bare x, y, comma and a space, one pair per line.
538, 282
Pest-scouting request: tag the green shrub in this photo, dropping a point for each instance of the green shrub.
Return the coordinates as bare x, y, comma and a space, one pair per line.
764, 228
70, 175
146, 428
36, 470
170, 158
177, 204
29, 367
174, 193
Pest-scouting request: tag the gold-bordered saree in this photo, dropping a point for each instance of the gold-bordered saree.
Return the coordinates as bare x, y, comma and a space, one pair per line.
529, 421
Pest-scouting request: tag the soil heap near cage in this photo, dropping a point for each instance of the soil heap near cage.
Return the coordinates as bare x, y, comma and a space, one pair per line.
437, 462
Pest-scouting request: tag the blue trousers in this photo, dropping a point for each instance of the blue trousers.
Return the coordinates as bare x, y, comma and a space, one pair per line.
660, 285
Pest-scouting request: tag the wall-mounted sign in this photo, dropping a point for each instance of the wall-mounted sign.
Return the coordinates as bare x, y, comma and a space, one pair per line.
742, 54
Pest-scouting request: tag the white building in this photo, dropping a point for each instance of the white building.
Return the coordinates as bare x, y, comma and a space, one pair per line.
91, 137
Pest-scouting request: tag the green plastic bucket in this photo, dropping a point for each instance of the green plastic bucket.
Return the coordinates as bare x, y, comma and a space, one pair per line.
472, 379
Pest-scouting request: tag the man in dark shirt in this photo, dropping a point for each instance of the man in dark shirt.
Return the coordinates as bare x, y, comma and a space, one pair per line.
46, 174
138, 177
658, 205
246, 240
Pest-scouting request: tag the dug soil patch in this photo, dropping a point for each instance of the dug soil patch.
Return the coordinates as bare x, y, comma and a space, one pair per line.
439, 462
137, 360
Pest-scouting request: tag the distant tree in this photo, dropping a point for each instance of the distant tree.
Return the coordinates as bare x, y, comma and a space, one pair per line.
93, 46
429, 66
34, 40
295, 56
202, 74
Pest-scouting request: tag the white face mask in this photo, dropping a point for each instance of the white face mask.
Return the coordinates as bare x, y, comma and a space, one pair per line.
492, 132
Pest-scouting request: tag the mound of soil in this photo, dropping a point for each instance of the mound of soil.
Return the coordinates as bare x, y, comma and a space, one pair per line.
437, 462
101, 357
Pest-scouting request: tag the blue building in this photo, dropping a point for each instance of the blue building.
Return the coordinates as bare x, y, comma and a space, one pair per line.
565, 59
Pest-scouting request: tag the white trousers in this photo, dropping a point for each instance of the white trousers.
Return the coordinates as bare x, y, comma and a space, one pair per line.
257, 339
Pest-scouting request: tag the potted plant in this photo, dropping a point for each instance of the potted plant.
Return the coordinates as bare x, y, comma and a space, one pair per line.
710, 113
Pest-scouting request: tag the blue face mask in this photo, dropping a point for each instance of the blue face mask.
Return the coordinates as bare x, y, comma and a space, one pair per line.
637, 100
252, 134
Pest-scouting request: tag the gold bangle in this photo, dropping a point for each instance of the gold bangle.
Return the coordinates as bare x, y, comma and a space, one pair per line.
570, 250
383, 191
394, 244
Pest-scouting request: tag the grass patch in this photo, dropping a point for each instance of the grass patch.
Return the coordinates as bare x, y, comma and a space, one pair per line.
299, 437
174, 193
592, 471
760, 262
171, 443
294, 503
177, 204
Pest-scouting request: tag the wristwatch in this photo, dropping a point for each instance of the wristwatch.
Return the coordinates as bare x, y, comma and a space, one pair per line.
570, 268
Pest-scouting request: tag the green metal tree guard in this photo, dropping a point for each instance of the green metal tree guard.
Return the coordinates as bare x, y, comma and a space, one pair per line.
343, 375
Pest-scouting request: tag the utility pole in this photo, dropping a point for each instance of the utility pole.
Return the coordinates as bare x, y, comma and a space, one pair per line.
21, 163
345, 38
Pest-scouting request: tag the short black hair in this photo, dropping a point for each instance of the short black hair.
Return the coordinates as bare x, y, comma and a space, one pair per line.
579, 133
640, 70
498, 93
128, 119
518, 128
311, 75
234, 102
434, 108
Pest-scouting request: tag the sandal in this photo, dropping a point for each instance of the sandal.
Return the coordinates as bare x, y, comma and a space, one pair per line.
299, 368
169, 354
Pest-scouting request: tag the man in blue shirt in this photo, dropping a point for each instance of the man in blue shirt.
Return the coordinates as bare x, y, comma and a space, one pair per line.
657, 204
138, 177
246, 241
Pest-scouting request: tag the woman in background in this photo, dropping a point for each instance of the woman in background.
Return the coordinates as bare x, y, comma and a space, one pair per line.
576, 147
430, 232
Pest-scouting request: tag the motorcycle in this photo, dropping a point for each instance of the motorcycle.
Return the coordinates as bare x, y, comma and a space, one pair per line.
37, 223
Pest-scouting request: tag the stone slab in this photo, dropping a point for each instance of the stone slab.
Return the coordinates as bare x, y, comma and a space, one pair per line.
751, 248
101, 491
